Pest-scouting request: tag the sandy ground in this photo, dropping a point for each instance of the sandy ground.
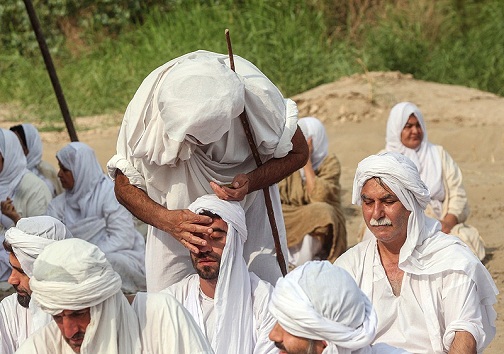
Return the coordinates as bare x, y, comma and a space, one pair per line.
465, 121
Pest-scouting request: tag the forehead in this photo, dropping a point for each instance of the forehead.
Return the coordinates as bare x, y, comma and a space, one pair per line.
372, 188
13, 260
219, 223
412, 119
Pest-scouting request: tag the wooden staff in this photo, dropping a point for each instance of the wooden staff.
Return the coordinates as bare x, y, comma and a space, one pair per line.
267, 198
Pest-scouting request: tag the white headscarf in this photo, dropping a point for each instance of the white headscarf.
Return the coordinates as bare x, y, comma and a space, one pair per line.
14, 168
425, 157
313, 128
34, 145
73, 275
87, 173
321, 301
31, 235
233, 303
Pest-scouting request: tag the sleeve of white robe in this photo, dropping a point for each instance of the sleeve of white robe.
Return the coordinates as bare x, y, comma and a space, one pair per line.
167, 327
7, 322
264, 320
452, 175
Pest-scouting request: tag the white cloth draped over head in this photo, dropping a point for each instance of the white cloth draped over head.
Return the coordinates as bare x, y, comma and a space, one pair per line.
87, 172
34, 145
427, 250
31, 235
425, 157
14, 167
73, 274
313, 128
322, 302
232, 300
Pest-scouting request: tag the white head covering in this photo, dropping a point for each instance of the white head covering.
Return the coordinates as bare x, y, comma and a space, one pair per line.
87, 173
73, 274
31, 235
321, 301
425, 157
14, 168
233, 303
400, 174
34, 145
313, 128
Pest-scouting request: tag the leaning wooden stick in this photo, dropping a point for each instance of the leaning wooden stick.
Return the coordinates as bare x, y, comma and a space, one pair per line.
267, 198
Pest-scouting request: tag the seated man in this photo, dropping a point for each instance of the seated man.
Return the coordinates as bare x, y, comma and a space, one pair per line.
430, 292
313, 195
73, 281
20, 317
407, 134
89, 208
31, 143
229, 304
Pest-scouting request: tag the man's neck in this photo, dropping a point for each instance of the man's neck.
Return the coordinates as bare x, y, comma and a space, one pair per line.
208, 287
389, 257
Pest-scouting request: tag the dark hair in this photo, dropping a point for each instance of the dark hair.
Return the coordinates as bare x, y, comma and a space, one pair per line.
210, 214
20, 131
7, 246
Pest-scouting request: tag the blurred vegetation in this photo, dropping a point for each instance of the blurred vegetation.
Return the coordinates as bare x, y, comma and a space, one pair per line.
103, 49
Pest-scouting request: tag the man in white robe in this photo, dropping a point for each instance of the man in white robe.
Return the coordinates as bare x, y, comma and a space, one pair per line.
31, 143
229, 303
89, 208
20, 317
182, 138
73, 281
430, 292
22, 193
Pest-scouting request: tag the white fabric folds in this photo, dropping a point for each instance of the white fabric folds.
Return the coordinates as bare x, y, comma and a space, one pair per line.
306, 306
233, 303
31, 235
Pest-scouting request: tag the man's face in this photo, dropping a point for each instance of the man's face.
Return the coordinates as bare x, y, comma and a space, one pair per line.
412, 134
290, 344
207, 261
66, 177
20, 281
73, 324
384, 214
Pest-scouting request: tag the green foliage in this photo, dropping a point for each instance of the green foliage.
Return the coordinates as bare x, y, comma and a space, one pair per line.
104, 48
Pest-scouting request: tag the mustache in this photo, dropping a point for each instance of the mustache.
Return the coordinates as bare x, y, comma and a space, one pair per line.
210, 255
380, 222
279, 346
77, 336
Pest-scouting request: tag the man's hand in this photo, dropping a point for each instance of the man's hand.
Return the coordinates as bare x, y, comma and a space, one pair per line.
448, 222
237, 191
9, 210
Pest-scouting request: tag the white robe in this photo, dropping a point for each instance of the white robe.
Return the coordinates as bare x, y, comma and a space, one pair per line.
17, 323
153, 153
187, 293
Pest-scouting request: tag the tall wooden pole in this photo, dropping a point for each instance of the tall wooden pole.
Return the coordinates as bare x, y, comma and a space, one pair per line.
50, 69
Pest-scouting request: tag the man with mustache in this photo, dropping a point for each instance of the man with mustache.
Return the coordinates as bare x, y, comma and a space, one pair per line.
74, 283
430, 292
19, 316
229, 303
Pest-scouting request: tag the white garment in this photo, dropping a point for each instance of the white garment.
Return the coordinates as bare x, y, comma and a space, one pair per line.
426, 157
17, 323
167, 327
428, 258
73, 275
236, 290
320, 301
152, 152
91, 211
313, 128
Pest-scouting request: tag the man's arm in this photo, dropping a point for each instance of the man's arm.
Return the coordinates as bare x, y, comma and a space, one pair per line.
271, 172
181, 224
463, 343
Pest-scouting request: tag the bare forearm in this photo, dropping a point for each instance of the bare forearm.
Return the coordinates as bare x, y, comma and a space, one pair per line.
274, 170
463, 343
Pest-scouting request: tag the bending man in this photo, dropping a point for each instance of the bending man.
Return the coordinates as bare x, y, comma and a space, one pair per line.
430, 292
182, 138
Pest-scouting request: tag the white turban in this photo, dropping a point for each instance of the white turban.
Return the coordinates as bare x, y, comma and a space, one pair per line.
31, 235
321, 301
425, 157
233, 303
313, 128
73, 275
